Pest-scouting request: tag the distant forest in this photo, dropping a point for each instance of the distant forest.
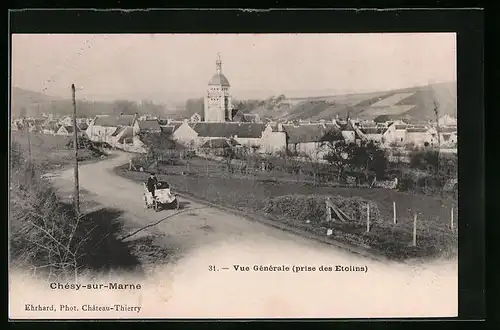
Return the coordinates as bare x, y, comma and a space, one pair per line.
88, 108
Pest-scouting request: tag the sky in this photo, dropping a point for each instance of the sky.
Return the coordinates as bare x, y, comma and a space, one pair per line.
173, 67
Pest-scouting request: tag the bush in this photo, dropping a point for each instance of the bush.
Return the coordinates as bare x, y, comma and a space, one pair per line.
313, 208
39, 228
45, 235
423, 159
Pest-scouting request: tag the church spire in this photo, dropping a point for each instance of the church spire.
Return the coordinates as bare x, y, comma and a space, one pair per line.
218, 64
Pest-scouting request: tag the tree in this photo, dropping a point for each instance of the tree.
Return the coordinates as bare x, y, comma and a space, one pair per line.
382, 119
338, 155
424, 159
369, 158
228, 154
194, 106
159, 144
125, 107
148, 107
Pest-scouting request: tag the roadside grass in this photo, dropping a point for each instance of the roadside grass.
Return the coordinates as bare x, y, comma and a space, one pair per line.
435, 238
49, 152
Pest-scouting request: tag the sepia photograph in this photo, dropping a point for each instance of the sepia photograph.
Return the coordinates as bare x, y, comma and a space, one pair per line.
233, 176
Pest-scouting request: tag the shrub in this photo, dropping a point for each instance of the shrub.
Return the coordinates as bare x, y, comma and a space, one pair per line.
313, 208
45, 235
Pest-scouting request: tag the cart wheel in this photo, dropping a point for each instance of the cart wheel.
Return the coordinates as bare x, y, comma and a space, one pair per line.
176, 203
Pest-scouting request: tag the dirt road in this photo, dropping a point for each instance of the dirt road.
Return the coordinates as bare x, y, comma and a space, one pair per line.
205, 237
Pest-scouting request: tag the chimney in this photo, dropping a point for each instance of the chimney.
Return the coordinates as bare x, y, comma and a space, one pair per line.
280, 127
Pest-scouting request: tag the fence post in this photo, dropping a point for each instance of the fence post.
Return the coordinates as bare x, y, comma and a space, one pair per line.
414, 230
394, 211
328, 210
368, 218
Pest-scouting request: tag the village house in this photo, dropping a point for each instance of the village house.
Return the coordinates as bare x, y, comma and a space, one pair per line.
68, 131
66, 121
170, 128
447, 120
309, 139
196, 134
273, 138
419, 136
219, 143
35, 125
348, 131
146, 126
373, 133
125, 139
16, 124
247, 134
50, 127
448, 137
83, 126
395, 134
182, 133
102, 127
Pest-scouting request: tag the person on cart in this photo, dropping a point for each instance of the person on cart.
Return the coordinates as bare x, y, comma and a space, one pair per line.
152, 184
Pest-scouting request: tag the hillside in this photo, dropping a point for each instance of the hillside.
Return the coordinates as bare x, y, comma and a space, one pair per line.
29, 103
28, 100
411, 103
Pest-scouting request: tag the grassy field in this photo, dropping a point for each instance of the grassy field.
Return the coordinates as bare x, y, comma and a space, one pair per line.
49, 151
253, 194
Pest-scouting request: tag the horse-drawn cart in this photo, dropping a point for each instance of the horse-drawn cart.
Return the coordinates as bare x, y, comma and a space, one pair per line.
163, 197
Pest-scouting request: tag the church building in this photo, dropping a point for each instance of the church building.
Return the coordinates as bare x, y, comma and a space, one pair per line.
217, 103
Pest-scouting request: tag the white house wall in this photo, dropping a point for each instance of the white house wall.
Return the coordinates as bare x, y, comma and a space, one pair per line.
101, 133
392, 135
418, 138
349, 136
272, 142
374, 137
249, 142
136, 128
184, 134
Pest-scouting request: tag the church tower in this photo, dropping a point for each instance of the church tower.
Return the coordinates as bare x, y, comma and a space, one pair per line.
217, 104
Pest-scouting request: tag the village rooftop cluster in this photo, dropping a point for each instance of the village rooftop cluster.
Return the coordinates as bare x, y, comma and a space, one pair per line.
222, 125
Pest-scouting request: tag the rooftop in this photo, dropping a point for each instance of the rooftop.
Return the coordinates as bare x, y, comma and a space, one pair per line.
228, 130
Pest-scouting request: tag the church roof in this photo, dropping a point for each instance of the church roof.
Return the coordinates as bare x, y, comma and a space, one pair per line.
219, 79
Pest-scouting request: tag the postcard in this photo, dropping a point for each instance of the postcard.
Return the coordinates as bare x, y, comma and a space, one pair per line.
233, 176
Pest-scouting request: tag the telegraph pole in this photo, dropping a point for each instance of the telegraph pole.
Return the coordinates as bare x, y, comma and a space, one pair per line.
76, 194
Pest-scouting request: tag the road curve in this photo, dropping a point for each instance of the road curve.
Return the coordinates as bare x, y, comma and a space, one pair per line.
207, 236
